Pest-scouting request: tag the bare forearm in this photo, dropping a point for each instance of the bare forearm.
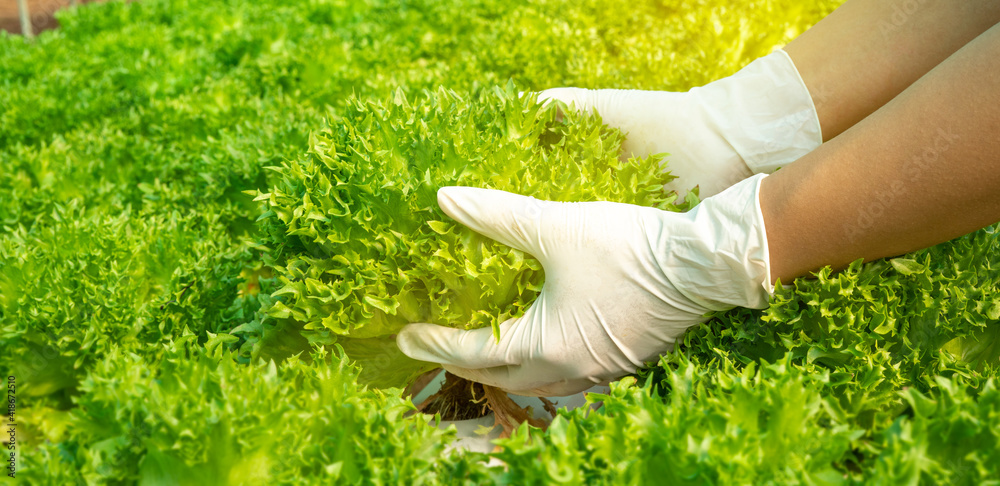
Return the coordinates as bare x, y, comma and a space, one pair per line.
868, 51
937, 148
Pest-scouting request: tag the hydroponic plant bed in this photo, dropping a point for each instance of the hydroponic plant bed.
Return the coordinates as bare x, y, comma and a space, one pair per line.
204, 208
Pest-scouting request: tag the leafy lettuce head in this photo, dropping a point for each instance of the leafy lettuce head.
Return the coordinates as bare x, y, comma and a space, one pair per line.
361, 248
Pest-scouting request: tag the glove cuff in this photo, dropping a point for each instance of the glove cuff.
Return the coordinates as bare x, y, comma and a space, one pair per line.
766, 111
723, 261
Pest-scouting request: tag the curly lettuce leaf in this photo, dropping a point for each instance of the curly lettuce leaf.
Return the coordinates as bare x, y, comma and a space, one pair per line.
360, 247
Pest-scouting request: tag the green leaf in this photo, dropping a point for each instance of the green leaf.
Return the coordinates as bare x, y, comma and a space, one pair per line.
906, 266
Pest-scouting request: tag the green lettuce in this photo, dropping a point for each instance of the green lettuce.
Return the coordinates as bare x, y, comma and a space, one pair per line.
360, 247
137, 287
196, 416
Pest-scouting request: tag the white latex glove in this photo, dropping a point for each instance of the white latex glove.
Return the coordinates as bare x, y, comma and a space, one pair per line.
622, 283
752, 122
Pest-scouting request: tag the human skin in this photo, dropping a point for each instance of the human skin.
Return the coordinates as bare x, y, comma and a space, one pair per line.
923, 169
868, 51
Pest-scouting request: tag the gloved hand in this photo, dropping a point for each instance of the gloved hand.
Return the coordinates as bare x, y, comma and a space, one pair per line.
754, 121
622, 283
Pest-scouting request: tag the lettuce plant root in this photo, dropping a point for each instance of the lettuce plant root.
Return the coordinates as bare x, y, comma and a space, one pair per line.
458, 399
508, 414
462, 399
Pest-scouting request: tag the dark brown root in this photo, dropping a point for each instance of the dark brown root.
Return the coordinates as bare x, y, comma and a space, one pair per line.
461, 399
458, 399
549, 406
